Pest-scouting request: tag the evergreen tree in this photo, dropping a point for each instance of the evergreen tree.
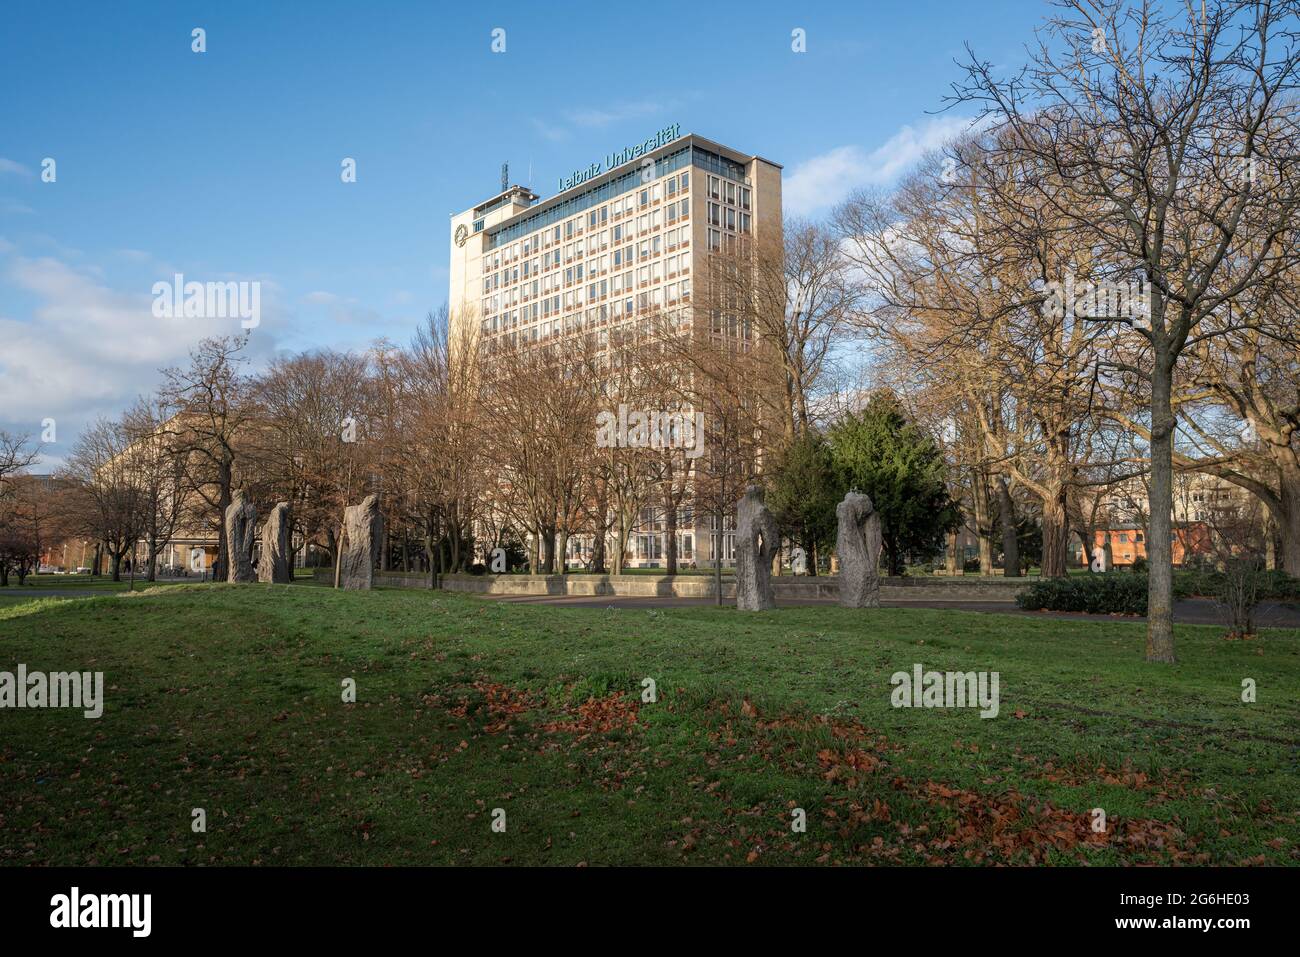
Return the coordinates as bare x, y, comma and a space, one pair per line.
803, 494
879, 452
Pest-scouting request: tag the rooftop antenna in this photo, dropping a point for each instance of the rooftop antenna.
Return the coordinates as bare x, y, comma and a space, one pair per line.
505, 176
530, 172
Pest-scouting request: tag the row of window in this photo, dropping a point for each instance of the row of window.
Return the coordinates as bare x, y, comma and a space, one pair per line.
567, 252
601, 321
670, 189
655, 267
618, 301
512, 286
631, 181
727, 191
735, 216
495, 276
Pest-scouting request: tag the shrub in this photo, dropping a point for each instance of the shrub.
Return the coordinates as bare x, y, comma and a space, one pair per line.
1112, 593
1274, 585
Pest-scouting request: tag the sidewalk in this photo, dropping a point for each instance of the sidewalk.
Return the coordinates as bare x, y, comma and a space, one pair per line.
1191, 611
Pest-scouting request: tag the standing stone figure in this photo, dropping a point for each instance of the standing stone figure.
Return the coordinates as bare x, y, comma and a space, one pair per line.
858, 545
241, 530
273, 565
362, 533
757, 540
1103, 558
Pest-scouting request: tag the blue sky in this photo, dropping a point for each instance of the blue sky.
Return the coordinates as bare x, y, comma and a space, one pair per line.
225, 164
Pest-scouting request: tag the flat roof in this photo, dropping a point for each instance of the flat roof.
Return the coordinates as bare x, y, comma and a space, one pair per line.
503, 194
691, 139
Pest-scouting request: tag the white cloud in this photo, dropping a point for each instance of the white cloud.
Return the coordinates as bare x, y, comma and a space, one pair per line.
594, 119
12, 166
617, 114
550, 131
825, 180
88, 349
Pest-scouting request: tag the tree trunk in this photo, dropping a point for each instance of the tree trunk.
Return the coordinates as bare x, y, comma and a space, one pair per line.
983, 520
952, 562
1010, 540
1160, 496
337, 542
621, 551
224, 481
670, 529
455, 539
1087, 538
1289, 524
1055, 533
548, 552
717, 564
893, 556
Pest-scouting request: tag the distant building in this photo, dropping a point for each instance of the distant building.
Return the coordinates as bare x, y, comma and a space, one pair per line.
1128, 543
621, 241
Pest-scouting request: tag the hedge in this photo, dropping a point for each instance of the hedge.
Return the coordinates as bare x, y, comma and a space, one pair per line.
1112, 593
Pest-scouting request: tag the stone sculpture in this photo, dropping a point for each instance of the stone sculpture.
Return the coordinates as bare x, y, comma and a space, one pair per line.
858, 545
757, 540
362, 533
273, 564
241, 529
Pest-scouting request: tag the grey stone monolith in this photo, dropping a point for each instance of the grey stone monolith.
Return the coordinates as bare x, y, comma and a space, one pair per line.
757, 539
273, 563
241, 530
362, 527
858, 545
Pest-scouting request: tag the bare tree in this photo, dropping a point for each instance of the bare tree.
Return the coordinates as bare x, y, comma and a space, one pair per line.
208, 409
1174, 131
157, 466
308, 438
108, 502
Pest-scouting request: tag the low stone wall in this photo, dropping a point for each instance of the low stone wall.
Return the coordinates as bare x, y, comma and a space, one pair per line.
788, 587
325, 576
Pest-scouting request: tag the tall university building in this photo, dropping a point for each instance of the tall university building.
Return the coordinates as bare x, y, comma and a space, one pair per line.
617, 241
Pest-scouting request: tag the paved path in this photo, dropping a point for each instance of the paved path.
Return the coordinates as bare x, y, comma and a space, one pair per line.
1192, 611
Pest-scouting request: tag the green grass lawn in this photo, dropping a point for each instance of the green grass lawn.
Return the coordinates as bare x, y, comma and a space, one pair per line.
228, 698
15, 593
82, 581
